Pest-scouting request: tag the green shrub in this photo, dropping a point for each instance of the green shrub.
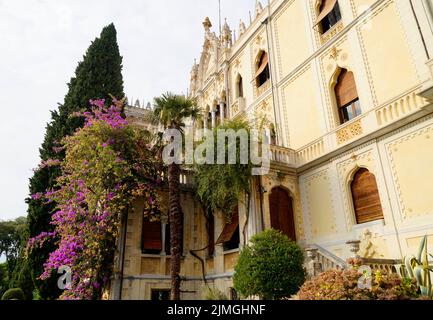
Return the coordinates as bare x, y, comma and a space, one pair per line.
343, 285
215, 294
271, 267
13, 294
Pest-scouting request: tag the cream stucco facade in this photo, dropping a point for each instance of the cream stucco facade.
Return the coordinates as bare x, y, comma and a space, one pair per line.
388, 46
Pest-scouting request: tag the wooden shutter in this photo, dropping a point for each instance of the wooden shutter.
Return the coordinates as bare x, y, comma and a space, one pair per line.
366, 199
345, 90
281, 210
263, 64
229, 228
326, 7
151, 235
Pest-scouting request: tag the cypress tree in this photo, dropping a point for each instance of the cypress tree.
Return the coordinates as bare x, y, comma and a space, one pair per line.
97, 76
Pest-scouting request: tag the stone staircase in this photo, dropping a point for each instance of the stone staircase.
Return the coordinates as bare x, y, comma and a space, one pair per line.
321, 260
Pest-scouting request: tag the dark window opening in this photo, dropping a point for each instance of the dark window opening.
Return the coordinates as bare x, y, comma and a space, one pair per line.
346, 94
210, 226
233, 243
160, 295
350, 111
229, 237
151, 242
262, 74
209, 120
240, 87
329, 15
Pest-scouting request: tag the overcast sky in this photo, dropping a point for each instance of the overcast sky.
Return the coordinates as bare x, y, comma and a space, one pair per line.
41, 42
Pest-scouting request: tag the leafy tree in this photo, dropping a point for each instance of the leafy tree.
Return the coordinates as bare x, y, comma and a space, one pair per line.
99, 75
271, 267
12, 236
230, 181
172, 110
21, 277
3, 278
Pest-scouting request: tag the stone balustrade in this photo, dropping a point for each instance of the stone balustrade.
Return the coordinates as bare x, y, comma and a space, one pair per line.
283, 155
399, 108
310, 152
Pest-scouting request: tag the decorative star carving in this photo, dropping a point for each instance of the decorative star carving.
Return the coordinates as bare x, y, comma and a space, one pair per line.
259, 39
335, 53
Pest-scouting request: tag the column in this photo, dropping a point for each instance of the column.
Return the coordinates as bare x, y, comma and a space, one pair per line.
221, 106
213, 119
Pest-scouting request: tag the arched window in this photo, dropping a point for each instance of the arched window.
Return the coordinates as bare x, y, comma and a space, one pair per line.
281, 211
262, 74
329, 15
365, 195
239, 87
347, 96
151, 237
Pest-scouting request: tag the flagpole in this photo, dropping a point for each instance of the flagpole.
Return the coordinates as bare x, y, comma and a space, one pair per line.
219, 14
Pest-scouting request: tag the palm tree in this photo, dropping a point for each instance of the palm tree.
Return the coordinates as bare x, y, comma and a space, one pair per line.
172, 110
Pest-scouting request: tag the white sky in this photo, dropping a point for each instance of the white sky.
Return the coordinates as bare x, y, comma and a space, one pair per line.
41, 42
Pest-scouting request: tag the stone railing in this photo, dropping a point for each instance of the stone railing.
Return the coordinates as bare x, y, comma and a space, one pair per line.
321, 260
310, 152
283, 155
399, 108
389, 265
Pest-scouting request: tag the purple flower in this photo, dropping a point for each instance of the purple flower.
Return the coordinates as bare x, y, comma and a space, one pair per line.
37, 196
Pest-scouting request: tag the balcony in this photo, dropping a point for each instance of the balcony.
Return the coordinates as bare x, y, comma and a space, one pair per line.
281, 155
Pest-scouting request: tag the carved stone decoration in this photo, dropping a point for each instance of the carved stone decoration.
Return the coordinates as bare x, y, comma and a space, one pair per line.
242, 28
349, 132
226, 36
354, 247
367, 249
259, 8
335, 53
314, 267
207, 24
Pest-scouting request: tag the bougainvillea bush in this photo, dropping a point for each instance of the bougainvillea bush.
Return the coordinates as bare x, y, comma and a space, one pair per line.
108, 163
345, 285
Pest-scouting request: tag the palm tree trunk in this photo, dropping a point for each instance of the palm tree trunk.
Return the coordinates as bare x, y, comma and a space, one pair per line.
175, 228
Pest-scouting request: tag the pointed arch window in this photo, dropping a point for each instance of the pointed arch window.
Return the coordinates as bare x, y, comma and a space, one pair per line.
365, 195
329, 15
262, 73
239, 87
346, 95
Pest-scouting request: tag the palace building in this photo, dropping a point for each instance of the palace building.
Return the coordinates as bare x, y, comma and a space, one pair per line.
346, 88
